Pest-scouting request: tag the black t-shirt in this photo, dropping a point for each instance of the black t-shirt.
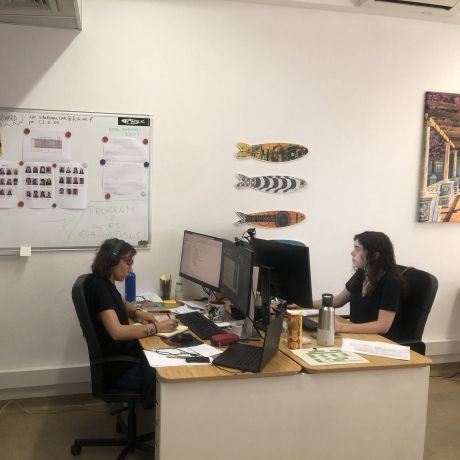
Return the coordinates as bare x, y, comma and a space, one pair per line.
101, 294
384, 296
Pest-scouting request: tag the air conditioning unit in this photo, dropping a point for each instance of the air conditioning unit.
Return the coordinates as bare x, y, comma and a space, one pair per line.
50, 13
447, 8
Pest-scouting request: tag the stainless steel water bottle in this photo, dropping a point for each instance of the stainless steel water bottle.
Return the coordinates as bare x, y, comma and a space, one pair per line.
326, 323
130, 287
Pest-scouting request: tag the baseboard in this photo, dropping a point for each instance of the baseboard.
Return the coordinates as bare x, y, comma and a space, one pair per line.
443, 351
40, 382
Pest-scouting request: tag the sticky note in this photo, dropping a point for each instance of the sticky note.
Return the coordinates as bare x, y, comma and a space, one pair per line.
25, 251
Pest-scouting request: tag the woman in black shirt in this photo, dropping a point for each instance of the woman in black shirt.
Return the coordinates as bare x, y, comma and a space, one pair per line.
110, 314
374, 290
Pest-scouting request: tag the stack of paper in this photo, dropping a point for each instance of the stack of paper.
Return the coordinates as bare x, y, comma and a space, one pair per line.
387, 350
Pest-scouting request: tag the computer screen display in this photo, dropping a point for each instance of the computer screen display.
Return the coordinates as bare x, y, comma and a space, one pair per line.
236, 276
201, 259
289, 264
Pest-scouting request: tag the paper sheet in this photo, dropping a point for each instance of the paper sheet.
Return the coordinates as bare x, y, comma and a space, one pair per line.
306, 311
126, 179
157, 360
387, 350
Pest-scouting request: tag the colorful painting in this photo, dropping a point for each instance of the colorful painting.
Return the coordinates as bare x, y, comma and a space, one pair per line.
271, 184
439, 198
274, 152
271, 219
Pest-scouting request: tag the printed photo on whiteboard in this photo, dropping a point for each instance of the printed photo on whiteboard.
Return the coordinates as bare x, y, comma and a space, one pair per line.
10, 184
125, 179
71, 186
46, 145
38, 184
126, 149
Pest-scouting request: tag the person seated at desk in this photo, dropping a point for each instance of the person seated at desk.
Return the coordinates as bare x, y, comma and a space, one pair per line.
110, 314
374, 290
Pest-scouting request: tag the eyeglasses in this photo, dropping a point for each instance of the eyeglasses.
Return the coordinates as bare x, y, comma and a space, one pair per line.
128, 262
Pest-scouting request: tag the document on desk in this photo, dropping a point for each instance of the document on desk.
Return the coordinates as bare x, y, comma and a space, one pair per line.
306, 311
387, 350
182, 309
328, 356
176, 356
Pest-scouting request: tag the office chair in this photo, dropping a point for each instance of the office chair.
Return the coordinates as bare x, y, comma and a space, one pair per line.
131, 441
419, 291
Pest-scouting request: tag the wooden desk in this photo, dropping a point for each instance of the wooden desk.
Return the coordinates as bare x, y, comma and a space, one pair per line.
199, 408
372, 410
375, 410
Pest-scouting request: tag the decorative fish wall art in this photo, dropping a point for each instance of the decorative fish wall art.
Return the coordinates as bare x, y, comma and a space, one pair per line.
271, 184
274, 152
271, 219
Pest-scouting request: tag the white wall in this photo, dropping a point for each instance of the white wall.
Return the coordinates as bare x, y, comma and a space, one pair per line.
213, 73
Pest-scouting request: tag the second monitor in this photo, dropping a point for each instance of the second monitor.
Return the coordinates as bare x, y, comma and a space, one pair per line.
288, 268
238, 282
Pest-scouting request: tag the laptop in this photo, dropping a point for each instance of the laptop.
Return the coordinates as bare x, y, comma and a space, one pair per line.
250, 358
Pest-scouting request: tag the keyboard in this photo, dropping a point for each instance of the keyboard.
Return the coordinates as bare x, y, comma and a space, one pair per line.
309, 324
200, 325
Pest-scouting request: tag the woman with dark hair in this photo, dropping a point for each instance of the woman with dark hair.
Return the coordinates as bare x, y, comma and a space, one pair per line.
110, 314
374, 290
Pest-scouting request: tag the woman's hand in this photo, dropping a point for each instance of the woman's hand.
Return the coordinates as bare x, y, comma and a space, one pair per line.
339, 326
167, 326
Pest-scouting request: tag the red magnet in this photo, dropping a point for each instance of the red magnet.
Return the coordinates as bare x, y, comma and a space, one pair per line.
20, 204
68, 134
54, 165
26, 131
105, 139
107, 196
21, 163
145, 141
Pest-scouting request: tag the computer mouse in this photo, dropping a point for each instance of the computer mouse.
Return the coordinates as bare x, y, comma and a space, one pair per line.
183, 337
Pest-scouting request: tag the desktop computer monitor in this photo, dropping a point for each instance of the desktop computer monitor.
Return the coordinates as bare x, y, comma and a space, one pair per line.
236, 277
288, 270
238, 283
201, 259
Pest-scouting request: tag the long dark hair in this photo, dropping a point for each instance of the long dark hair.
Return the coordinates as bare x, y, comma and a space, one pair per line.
103, 261
380, 258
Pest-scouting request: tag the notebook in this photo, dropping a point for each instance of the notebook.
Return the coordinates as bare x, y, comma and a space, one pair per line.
251, 358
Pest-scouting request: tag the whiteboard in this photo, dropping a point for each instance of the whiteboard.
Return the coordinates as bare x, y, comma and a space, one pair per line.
71, 179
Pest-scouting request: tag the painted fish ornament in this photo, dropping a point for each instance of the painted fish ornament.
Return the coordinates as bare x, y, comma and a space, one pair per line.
271, 219
274, 152
271, 184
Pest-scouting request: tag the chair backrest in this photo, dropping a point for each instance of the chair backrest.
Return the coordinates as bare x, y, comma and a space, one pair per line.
419, 292
87, 327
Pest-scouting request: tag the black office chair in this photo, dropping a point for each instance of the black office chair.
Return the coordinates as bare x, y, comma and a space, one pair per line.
131, 441
419, 291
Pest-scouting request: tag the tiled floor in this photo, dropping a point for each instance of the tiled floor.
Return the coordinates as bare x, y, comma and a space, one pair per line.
48, 436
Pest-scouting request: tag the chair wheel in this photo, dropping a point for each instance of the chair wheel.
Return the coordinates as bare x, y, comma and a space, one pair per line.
75, 450
119, 427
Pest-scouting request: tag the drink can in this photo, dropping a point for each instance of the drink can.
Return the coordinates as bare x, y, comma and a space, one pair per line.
294, 320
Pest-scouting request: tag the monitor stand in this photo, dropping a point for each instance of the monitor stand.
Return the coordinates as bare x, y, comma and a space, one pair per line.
248, 326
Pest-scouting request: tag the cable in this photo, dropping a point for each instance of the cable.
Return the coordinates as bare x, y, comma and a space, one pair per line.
54, 411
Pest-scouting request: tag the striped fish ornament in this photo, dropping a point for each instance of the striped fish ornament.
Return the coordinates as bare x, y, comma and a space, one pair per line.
271, 184
274, 152
271, 219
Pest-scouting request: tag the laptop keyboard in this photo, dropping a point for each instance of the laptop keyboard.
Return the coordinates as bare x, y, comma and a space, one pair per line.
240, 356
